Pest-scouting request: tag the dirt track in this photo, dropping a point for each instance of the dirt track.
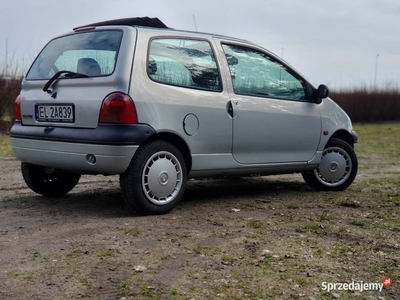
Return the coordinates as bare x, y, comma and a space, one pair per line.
87, 245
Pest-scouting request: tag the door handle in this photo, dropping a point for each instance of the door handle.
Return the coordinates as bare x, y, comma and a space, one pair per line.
229, 108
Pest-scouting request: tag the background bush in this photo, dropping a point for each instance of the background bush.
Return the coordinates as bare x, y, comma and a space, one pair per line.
9, 90
363, 105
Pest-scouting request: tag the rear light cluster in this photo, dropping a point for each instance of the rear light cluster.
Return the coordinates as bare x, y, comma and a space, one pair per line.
17, 108
118, 108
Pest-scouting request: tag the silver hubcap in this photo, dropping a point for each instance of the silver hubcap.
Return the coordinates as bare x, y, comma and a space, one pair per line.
335, 167
162, 178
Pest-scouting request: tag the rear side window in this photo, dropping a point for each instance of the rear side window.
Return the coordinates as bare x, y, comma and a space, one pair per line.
91, 53
183, 62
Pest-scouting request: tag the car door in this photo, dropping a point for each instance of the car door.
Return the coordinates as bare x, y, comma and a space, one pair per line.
274, 122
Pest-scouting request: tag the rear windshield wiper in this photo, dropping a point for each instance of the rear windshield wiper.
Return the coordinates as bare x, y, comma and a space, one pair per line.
69, 74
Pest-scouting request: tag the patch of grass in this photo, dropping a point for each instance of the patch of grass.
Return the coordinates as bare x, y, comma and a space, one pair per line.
228, 259
125, 288
149, 292
339, 229
174, 292
292, 206
326, 216
349, 203
378, 139
36, 255
265, 261
311, 227
5, 146
294, 296
132, 231
341, 250
380, 181
319, 252
392, 198
104, 253
29, 276
14, 273
6, 199
255, 223
197, 249
358, 222
83, 280
75, 254
26, 275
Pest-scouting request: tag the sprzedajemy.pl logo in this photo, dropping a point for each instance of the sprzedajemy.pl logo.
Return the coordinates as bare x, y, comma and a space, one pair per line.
357, 285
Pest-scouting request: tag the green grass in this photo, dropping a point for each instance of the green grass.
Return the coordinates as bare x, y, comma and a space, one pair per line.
131, 231
378, 138
5, 146
104, 253
255, 223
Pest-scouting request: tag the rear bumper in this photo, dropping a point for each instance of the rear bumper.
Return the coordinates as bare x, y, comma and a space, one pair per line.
103, 134
113, 146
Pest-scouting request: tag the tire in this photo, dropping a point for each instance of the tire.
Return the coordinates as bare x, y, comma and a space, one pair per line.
47, 182
155, 180
337, 169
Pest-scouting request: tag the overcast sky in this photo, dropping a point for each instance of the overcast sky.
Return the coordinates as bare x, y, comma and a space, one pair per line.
333, 42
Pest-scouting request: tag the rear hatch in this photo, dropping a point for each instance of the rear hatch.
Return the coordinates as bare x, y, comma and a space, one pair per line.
69, 79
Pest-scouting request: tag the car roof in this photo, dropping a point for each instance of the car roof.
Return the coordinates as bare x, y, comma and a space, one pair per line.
139, 21
152, 23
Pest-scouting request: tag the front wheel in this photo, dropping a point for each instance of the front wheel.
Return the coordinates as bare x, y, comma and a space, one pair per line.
155, 180
47, 181
337, 169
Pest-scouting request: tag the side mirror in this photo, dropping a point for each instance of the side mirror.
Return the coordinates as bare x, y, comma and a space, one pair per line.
321, 93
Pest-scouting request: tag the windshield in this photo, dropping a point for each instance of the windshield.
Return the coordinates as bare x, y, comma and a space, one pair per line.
90, 53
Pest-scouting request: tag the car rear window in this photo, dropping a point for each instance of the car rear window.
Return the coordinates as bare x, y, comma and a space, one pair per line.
91, 53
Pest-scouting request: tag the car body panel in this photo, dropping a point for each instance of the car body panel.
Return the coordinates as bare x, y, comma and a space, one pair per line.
110, 159
259, 135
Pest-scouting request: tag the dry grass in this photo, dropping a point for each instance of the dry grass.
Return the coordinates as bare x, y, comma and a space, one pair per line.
5, 146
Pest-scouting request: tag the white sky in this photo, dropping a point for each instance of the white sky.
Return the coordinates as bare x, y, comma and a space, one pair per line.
332, 42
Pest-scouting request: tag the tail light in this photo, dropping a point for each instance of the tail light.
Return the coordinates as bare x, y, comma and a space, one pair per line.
118, 108
17, 108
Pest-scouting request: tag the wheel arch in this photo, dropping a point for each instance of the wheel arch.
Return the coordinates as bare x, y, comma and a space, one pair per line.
178, 142
343, 135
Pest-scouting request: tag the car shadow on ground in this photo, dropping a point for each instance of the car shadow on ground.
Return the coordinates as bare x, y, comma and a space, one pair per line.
248, 187
108, 202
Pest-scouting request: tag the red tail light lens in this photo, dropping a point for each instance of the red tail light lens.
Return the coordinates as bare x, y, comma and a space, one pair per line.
17, 108
118, 108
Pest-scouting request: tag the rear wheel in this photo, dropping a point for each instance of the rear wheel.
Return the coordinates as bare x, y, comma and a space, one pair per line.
155, 180
47, 181
337, 169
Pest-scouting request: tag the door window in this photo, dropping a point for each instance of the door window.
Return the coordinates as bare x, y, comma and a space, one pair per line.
183, 62
256, 74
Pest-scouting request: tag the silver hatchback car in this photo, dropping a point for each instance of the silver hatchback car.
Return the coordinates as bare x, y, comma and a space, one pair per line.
158, 106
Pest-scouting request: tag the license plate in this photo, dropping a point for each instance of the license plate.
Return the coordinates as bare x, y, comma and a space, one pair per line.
55, 113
